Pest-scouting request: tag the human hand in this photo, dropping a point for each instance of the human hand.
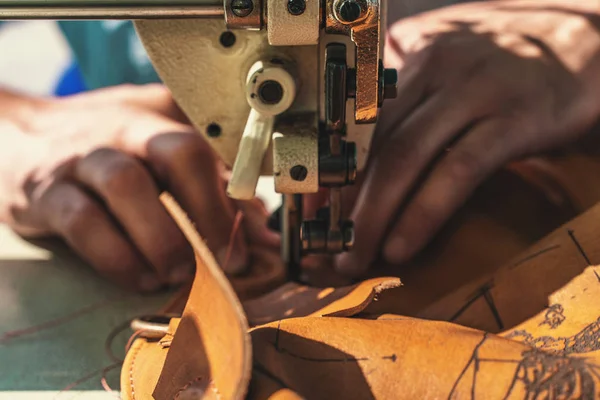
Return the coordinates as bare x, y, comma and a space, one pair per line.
480, 84
89, 168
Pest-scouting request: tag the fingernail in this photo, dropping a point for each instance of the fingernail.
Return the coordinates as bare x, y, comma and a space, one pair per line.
181, 274
149, 282
234, 264
395, 250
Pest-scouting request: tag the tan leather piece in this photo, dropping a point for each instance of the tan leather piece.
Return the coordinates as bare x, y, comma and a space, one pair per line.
376, 354
264, 387
392, 357
326, 358
294, 300
211, 344
555, 354
522, 287
141, 369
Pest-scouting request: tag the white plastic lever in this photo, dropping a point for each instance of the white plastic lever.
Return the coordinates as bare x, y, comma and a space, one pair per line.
265, 106
253, 147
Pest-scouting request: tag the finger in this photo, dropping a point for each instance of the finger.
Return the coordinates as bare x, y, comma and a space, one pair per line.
484, 149
150, 97
254, 223
395, 169
413, 81
89, 230
131, 195
188, 167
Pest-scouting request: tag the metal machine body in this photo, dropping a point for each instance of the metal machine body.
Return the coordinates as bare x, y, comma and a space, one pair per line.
289, 88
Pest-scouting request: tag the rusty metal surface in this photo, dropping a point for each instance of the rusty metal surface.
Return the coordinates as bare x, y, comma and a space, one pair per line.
365, 33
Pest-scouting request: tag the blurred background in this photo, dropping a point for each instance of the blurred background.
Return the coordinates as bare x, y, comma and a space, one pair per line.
33, 56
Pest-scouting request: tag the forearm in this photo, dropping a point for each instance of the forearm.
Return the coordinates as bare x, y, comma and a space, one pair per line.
17, 113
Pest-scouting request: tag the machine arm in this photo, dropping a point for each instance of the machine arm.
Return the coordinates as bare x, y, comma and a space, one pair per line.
295, 87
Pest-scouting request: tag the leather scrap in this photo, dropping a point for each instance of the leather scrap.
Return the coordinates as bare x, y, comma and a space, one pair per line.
293, 300
211, 348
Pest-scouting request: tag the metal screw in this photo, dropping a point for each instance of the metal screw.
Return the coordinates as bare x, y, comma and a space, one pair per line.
298, 173
296, 7
242, 8
350, 11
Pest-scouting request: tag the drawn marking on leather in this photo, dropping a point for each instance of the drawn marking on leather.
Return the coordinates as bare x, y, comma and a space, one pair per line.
586, 341
280, 349
545, 375
474, 355
554, 316
548, 369
534, 255
485, 292
465, 307
597, 276
581, 251
489, 299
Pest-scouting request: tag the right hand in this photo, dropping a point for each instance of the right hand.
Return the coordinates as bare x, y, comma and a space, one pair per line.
90, 168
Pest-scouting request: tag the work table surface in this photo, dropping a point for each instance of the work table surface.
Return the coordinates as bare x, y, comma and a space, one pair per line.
42, 282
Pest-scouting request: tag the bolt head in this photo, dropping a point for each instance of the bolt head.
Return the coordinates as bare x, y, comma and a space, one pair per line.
349, 11
299, 173
296, 7
242, 8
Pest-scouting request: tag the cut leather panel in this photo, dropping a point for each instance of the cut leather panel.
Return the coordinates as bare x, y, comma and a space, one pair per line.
141, 369
350, 358
537, 273
554, 354
294, 300
211, 343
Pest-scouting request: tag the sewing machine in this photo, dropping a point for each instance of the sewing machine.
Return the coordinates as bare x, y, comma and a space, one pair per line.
288, 88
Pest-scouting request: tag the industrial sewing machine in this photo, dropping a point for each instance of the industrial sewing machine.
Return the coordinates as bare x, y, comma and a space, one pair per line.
289, 88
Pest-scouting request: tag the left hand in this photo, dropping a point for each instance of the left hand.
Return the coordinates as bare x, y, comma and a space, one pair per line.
481, 84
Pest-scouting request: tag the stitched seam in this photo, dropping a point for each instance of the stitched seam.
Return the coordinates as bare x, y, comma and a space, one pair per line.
133, 358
